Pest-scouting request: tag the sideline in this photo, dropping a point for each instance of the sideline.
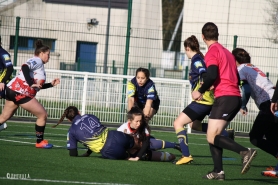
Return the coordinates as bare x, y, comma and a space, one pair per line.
58, 181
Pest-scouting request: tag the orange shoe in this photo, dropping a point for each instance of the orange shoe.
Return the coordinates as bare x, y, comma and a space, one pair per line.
273, 174
44, 144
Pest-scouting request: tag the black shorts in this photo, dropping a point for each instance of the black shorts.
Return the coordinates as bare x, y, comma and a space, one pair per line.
225, 107
197, 111
16, 97
155, 105
3, 93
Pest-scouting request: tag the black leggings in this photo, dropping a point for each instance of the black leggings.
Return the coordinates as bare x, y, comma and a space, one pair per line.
266, 127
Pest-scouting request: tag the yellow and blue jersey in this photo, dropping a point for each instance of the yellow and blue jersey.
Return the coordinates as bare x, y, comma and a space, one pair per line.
142, 93
5, 61
198, 67
88, 130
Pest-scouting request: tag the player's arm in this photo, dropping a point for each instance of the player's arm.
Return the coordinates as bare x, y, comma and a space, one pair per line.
147, 108
54, 82
209, 79
144, 148
26, 73
73, 152
7, 75
246, 93
130, 94
274, 99
87, 154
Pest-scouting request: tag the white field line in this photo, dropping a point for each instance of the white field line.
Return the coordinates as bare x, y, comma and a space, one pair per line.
14, 141
59, 181
27, 138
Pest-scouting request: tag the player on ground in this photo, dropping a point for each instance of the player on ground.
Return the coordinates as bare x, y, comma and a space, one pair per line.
22, 89
135, 127
88, 130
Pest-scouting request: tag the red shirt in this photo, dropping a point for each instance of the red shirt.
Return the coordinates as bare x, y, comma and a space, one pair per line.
226, 83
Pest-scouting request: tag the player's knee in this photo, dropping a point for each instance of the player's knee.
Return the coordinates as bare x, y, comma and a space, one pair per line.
210, 138
43, 115
177, 125
165, 156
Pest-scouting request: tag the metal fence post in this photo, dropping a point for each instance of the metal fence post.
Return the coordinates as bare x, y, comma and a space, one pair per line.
16, 42
126, 59
235, 41
113, 67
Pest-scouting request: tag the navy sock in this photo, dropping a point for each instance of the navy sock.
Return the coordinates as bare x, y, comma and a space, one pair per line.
183, 140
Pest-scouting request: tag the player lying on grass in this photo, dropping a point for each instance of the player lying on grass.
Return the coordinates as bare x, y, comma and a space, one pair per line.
88, 130
134, 117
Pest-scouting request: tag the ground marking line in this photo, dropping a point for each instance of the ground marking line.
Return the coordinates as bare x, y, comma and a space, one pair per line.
14, 141
61, 181
27, 138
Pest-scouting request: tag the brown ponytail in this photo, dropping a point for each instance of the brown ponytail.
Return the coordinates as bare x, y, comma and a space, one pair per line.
69, 113
193, 43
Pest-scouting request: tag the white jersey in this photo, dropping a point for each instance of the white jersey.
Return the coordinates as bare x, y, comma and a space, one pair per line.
125, 128
261, 86
37, 74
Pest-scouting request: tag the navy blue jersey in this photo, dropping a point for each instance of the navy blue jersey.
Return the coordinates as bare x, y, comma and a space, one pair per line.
85, 129
5, 61
142, 94
198, 67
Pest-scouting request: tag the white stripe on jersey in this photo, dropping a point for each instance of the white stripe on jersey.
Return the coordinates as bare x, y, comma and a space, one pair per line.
261, 86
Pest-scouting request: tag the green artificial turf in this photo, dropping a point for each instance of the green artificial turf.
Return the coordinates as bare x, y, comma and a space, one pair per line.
55, 166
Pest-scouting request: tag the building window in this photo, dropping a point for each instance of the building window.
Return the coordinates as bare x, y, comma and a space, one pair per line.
28, 43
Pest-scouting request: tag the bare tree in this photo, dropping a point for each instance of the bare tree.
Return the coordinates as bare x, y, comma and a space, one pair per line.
272, 20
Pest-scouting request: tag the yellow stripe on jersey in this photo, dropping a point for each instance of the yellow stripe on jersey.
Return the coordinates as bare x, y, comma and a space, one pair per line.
130, 89
208, 96
96, 143
3, 74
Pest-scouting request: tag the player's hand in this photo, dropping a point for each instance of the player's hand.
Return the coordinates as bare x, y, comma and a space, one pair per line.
273, 107
55, 82
211, 88
133, 159
196, 95
2, 86
243, 111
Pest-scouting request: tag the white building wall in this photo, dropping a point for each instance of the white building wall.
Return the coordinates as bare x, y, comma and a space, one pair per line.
244, 18
68, 24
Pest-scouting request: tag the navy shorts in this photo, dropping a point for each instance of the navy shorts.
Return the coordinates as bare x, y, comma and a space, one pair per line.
225, 107
155, 105
197, 111
116, 145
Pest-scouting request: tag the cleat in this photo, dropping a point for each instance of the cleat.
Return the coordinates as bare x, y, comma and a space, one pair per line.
231, 133
184, 160
271, 173
44, 144
3, 126
177, 147
214, 175
247, 157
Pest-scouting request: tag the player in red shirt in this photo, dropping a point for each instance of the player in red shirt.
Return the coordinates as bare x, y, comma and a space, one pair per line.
222, 74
